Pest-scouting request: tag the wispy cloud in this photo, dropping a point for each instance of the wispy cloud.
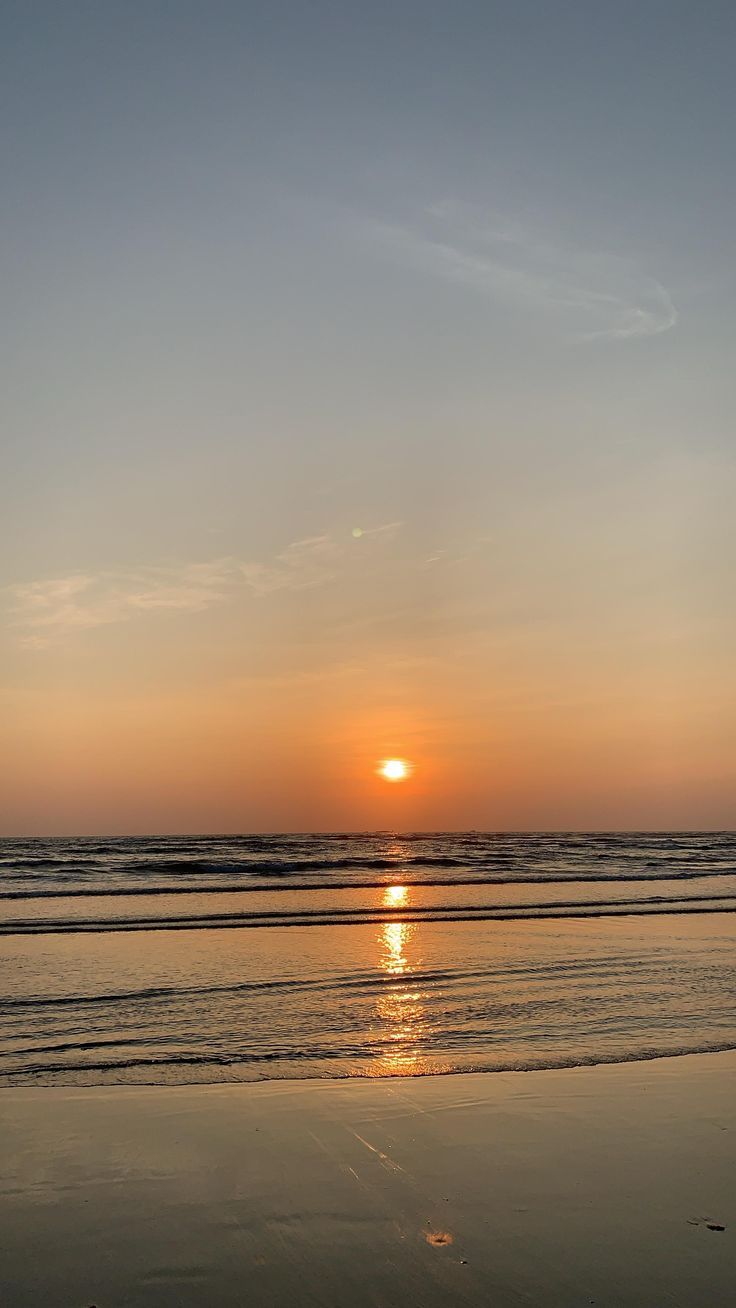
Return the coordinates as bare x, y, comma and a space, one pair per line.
46, 611
591, 295
52, 607
302, 565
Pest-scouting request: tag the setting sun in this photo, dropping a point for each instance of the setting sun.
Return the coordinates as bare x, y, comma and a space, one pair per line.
394, 769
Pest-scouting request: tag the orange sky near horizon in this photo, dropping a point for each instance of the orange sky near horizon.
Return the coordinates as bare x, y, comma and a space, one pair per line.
249, 758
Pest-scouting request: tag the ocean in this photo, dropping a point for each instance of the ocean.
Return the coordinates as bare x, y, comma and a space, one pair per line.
187, 959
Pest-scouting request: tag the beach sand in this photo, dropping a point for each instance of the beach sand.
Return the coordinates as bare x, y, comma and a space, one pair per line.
595, 1185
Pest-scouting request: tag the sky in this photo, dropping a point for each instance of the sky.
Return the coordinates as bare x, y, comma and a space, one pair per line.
367, 391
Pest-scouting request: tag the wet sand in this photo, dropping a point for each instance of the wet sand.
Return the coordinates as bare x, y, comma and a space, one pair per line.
600, 1185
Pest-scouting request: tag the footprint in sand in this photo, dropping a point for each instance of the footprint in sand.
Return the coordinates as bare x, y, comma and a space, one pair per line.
438, 1238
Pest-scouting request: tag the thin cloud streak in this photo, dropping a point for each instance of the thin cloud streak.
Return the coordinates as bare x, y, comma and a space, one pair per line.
49, 610
592, 296
55, 607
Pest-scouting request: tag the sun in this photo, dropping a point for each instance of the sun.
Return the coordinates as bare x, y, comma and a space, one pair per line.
394, 769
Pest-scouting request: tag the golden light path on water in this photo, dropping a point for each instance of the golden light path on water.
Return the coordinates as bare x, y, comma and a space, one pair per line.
401, 1008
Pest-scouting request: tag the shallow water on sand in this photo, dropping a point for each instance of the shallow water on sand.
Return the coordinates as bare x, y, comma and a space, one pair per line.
187, 959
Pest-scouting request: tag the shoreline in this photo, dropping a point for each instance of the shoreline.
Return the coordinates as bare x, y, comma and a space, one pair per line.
605, 1184
574, 1064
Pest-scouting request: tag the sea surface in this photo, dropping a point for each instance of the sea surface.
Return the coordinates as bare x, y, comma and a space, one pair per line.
239, 958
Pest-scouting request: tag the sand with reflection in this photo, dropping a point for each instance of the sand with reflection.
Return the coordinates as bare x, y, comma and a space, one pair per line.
551, 1188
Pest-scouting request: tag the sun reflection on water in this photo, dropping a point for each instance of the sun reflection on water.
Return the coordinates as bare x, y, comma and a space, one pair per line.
395, 896
401, 1007
393, 939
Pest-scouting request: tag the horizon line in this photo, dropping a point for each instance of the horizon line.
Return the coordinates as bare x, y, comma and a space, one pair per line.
379, 831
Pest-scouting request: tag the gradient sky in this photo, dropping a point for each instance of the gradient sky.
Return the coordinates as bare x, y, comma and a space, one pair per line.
459, 276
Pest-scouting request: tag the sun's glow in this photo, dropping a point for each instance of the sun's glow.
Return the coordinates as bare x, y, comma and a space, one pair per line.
394, 769
395, 896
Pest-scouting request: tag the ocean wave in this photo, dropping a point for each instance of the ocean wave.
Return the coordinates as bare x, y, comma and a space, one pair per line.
523, 879
374, 980
35, 1073
101, 866
358, 916
52, 864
